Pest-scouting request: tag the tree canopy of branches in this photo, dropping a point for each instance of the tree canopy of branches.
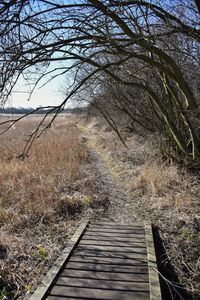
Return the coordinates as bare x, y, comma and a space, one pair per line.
131, 48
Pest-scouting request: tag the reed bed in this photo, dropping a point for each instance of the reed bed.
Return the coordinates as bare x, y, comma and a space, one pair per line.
38, 201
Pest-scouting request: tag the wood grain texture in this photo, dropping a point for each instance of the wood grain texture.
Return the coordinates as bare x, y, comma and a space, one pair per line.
112, 238
100, 253
112, 243
96, 274
105, 284
103, 267
93, 293
105, 260
113, 248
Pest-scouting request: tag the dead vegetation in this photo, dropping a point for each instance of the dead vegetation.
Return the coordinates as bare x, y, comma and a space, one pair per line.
41, 199
162, 192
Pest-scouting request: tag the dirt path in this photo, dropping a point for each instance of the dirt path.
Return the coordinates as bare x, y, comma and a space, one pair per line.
121, 208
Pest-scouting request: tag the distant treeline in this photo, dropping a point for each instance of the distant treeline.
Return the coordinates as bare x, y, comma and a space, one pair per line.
23, 111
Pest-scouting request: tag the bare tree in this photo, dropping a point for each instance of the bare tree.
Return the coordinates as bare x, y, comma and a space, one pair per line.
109, 36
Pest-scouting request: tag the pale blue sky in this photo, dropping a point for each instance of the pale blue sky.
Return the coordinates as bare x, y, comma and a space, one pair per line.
50, 94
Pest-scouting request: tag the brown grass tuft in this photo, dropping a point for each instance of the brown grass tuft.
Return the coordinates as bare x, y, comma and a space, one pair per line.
31, 189
156, 178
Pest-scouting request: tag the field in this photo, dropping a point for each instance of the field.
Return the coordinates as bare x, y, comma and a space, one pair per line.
79, 168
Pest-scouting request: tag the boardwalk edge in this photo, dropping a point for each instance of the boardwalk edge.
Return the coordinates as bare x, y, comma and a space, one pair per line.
154, 284
48, 279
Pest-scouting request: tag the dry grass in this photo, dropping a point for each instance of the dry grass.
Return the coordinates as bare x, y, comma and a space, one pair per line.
141, 169
164, 182
30, 189
156, 178
39, 198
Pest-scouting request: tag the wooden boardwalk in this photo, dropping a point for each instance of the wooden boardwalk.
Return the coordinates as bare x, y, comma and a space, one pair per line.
104, 261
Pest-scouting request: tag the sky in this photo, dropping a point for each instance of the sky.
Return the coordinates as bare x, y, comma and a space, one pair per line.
50, 94
41, 97
46, 93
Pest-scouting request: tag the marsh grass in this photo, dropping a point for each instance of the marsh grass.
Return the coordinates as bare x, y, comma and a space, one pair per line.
30, 189
40, 198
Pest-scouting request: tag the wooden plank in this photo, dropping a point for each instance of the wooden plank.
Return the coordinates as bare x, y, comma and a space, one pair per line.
51, 275
65, 298
111, 254
118, 227
112, 249
114, 235
107, 284
100, 294
113, 243
113, 239
113, 230
155, 293
117, 230
105, 260
103, 223
96, 274
88, 266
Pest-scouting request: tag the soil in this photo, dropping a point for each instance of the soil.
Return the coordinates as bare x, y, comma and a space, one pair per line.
120, 206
